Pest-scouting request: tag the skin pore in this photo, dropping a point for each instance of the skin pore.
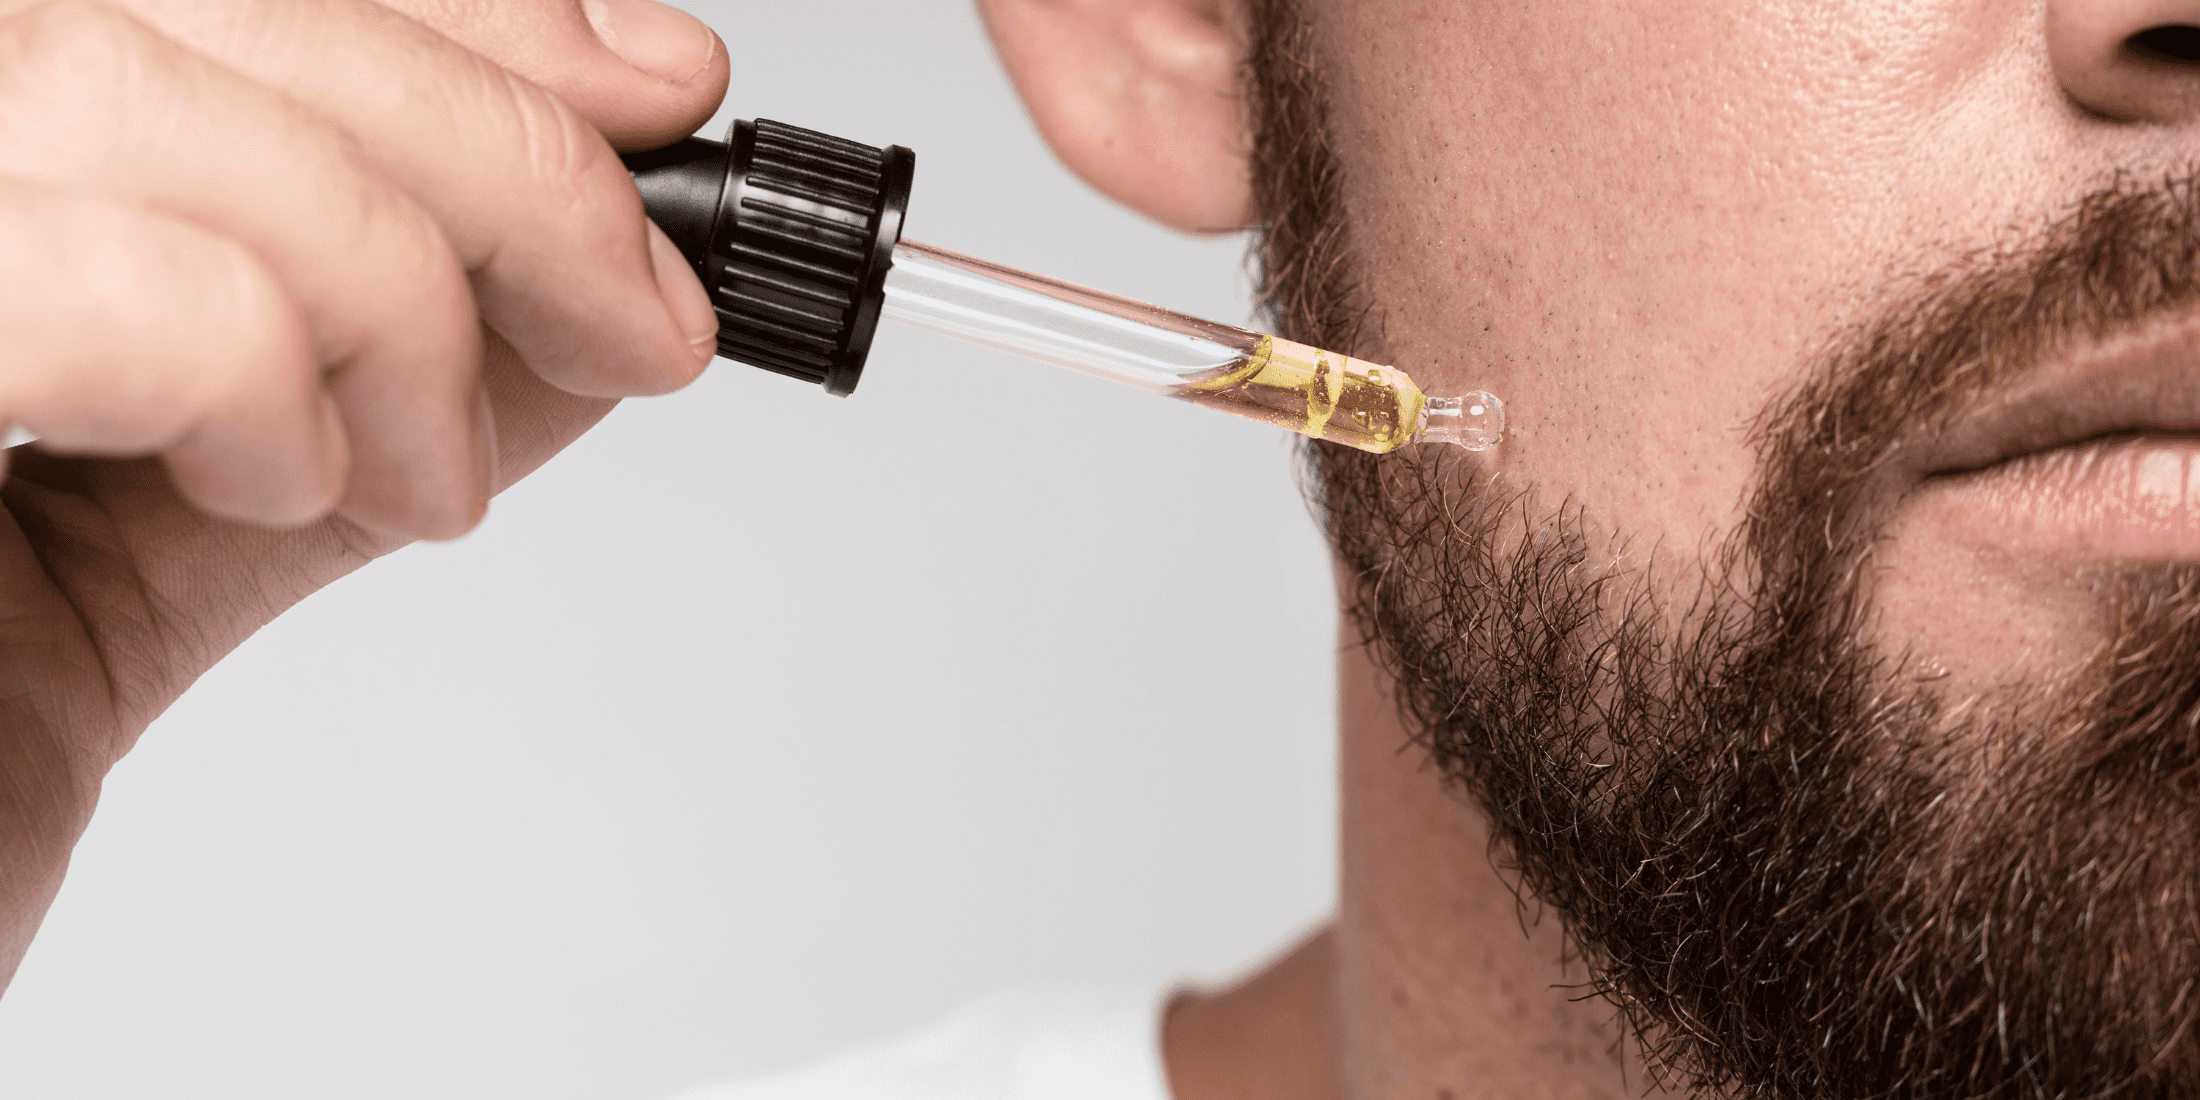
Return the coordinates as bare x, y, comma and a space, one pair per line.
1654, 229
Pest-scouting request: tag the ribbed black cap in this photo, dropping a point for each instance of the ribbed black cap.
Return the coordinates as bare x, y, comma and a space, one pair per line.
791, 231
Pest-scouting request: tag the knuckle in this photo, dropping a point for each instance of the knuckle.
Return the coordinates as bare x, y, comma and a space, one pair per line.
265, 334
235, 337
443, 313
245, 314
75, 44
402, 244
566, 159
70, 27
452, 18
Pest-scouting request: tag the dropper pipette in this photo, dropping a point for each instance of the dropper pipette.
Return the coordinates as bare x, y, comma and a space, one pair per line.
797, 235
1291, 385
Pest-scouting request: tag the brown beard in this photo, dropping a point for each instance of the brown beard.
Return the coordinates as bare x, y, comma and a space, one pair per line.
1795, 871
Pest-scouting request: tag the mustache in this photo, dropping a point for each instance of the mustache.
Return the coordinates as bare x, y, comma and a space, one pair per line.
1955, 338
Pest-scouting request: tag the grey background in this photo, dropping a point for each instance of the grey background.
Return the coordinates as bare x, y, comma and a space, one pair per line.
758, 723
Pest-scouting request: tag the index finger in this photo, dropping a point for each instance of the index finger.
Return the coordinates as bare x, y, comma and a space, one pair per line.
644, 73
536, 203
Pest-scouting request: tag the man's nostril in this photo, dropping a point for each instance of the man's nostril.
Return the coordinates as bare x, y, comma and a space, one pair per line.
2174, 44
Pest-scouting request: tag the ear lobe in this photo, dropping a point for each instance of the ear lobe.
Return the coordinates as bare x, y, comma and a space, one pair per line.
1141, 98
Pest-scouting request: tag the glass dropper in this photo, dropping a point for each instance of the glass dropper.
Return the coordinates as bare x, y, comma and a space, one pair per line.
1290, 385
796, 235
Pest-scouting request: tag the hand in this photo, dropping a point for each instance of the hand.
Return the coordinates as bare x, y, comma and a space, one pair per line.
285, 284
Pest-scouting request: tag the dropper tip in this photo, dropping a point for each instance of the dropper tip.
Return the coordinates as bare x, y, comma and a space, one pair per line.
1474, 420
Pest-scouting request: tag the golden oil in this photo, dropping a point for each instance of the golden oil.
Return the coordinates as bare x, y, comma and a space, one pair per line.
1341, 399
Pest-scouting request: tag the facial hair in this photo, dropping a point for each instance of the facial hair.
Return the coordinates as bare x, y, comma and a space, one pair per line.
1795, 870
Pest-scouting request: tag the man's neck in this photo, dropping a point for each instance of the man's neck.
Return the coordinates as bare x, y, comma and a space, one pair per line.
1435, 982
1265, 1038
1447, 985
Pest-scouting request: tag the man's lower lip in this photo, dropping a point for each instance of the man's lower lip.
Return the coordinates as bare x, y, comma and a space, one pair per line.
2130, 498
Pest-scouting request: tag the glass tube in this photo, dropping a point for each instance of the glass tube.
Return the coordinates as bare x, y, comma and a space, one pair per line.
1291, 385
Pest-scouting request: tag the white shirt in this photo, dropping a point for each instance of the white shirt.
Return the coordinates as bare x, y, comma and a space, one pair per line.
1072, 1044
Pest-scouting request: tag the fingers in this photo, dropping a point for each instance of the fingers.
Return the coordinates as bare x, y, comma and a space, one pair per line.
691, 306
129, 332
375, 187
384, 298
643, 73
531, 196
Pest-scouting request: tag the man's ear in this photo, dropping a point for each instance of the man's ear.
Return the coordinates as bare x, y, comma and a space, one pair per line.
1142, 98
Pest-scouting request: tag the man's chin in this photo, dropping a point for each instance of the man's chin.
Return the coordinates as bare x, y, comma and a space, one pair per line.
1996, 579
1787, 863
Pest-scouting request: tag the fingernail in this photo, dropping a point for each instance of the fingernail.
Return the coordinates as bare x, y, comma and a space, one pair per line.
684, 295
485, 453
658, 39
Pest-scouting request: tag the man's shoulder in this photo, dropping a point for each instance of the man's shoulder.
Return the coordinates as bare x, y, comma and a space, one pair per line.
1051, 1044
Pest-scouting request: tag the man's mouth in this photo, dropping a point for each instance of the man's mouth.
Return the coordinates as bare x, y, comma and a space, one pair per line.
2095, 455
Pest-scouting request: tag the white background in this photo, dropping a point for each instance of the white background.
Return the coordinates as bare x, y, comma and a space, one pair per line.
757, 724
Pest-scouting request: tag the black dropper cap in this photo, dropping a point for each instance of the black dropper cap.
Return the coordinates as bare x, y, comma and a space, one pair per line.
791, 232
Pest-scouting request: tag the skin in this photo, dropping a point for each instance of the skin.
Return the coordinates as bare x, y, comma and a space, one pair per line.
1631, 220
268, 329
1635, 222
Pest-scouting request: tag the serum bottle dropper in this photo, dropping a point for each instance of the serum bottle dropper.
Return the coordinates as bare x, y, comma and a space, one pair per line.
797, 236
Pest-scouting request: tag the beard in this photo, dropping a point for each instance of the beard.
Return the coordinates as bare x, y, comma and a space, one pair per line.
1797, 867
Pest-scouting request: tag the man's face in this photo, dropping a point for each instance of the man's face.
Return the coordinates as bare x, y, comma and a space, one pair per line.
1642, 222
1822, 642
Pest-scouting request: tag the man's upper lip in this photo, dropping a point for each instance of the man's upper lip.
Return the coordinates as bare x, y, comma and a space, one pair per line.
2145, 381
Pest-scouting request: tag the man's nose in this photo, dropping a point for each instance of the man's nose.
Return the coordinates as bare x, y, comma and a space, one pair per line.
2128, 60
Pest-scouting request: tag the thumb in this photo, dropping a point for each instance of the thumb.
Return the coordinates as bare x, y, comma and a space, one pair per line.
644, 73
